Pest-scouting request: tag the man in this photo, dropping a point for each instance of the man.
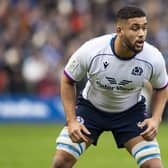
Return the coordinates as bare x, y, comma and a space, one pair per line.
117, 66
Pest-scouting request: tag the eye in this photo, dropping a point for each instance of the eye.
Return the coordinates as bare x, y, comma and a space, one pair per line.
145, 27
135, 28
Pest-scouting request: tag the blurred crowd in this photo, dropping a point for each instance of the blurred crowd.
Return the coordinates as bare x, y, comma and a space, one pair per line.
38, 36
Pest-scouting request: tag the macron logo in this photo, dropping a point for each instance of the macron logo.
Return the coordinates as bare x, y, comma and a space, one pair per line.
105, 64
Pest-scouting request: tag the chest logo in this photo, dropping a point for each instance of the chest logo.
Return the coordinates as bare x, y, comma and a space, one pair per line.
105, 64
114, 85
137, 71
113, 81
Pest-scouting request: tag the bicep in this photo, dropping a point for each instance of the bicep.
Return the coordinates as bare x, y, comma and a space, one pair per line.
159, 77
66, 82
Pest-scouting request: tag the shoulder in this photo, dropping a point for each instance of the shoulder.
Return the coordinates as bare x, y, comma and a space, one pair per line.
150, 54
101, 39
149, 48
98, 43
94, 47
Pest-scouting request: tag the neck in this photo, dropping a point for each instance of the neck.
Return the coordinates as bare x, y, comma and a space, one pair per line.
122, 50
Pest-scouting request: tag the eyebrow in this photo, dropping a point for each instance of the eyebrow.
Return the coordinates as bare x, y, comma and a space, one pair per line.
137, 24
140, 24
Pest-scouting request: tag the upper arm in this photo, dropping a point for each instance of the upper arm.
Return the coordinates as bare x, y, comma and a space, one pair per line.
159, 77
77, 66
66, 79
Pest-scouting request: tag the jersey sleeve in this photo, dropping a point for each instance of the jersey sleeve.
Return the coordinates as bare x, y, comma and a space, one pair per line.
159, 78
77, 66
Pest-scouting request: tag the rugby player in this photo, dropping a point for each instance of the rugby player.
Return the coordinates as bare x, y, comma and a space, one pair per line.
117, 67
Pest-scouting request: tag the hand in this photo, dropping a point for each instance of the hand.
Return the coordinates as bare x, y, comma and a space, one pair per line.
152, 128
77, 132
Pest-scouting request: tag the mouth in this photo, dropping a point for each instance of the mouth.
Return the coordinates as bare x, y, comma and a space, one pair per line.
139, 43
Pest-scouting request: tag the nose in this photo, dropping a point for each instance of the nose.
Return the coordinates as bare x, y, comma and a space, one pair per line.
141, 32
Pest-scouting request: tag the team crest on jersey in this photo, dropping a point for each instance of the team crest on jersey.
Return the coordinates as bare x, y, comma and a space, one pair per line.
80, 119
137, 71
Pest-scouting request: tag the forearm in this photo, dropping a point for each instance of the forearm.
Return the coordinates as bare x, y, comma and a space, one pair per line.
158, 103
68, 97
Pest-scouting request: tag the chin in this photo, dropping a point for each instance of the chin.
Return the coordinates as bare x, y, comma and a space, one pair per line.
138, 50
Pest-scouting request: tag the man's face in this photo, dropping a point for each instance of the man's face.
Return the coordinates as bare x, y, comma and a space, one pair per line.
133, 33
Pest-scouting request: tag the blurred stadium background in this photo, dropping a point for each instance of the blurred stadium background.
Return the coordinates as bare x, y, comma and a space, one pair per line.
36, 39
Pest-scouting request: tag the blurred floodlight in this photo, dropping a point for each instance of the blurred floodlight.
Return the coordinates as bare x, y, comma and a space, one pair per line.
34, 71
64, 6
12, 57
39, 39
100, 1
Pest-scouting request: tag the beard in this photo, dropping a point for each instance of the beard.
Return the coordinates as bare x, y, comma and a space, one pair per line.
132, 47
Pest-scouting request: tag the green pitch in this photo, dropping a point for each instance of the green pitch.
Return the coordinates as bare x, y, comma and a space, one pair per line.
33, 145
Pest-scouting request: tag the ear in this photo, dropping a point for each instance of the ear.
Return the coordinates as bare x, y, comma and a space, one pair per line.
119, 29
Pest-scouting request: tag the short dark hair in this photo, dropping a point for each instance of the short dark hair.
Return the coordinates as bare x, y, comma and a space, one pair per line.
128, 12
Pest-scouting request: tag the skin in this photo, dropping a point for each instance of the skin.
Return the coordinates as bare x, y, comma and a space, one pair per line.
130, 39
69, 99
131, 35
